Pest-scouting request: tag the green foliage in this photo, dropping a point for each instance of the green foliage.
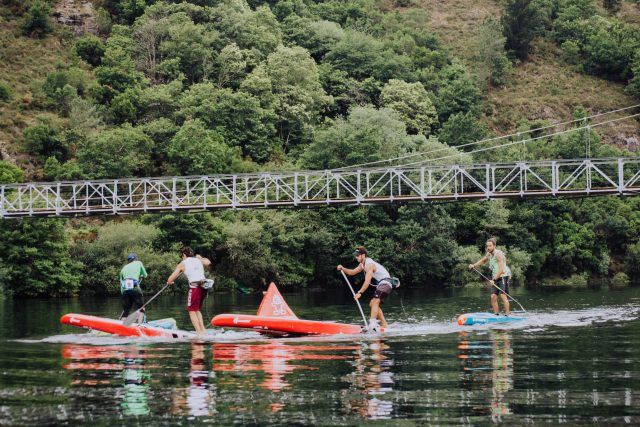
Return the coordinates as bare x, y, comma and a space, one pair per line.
462, 128
572, 282
63, 86
117, 153
522, 21
70, 170
612, 5
455, 92
103, 257
367, 135
492, 64
34, 256
237, 116
632, 261
634, 84
43, 140
10, 173
318, 37
90, 49
36, 22
620, 281
209, 156
412, 103
5, 92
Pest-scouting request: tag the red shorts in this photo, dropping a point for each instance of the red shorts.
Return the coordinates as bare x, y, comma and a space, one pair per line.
196, 298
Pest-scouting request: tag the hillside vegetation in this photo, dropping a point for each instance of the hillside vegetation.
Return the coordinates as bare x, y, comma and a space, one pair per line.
221, 86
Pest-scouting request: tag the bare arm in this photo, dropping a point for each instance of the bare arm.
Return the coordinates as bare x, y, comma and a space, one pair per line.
206, 263
176, 273
482, 261
349, 271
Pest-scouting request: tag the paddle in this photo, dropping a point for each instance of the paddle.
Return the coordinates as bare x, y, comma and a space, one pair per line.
490, 281
132, 317
354, 297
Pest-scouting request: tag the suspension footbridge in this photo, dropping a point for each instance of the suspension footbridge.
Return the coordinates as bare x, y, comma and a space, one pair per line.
455, 182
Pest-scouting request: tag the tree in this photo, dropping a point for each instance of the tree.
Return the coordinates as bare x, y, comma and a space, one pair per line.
117, 153
462, 128
9, 173
412, 103
634, 84
491, 60
455, 92
36, 22
367, 135
90, 49
43, 140
195, 150
522, 21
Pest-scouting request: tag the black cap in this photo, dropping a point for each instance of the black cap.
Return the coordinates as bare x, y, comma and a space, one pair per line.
360, 250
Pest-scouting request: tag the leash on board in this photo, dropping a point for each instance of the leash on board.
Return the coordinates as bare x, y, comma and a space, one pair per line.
498, 287
354, 297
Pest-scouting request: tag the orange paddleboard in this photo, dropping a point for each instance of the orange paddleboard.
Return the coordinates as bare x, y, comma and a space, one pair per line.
276, 317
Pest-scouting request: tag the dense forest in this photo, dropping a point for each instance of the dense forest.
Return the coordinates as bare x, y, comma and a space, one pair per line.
219, 86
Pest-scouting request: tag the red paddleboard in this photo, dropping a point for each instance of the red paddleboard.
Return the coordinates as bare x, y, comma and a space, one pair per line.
275, 317
116, 327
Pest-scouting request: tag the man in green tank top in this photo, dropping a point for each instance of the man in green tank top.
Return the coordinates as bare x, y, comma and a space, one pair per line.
500, 275
131, 293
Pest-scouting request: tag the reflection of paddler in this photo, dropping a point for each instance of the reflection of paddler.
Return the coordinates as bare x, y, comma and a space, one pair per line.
198, 395
373, 379
502, 373
136, 388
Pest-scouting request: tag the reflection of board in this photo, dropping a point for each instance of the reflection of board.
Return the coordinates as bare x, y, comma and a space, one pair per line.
483, 318
159, 328
276, 318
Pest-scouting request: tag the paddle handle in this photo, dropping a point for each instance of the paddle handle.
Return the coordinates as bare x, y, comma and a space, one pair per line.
346, 279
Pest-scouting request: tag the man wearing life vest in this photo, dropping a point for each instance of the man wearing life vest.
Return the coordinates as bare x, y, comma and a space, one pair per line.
500, 274
377, 276
130, 291
193, 267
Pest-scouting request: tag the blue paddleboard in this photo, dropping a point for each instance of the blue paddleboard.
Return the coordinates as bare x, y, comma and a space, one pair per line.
483, 318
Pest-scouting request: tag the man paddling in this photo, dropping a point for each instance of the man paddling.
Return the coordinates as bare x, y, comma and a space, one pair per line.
131, 293
500, 274
374, 275
193, 267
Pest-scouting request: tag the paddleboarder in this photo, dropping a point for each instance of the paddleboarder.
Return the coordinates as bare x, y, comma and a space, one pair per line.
374, 275
193, 266
130, 291
500, 275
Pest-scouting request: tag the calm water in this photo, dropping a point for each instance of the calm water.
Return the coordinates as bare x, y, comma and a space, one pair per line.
576, 360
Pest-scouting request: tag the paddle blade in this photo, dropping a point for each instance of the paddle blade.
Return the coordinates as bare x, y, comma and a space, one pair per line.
128, 321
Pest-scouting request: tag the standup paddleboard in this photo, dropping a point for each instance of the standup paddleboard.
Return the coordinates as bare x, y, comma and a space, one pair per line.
274, 317
484, 318
160, 328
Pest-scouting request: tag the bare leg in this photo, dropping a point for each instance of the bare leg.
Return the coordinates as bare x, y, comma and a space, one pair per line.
505, 303
375, 307
201, 321
494, 303
196, 322
383, 321
140, 317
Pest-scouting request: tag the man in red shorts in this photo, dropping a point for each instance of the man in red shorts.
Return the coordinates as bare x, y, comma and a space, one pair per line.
193, 267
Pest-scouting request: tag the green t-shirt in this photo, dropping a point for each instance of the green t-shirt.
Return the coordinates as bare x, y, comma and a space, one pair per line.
134, 270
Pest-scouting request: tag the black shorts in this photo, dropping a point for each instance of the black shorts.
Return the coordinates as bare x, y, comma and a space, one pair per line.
503, 284
382, 291
129, 298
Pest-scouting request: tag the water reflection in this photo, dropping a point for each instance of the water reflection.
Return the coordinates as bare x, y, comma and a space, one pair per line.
274, 360
370, 381
135, 378
195, 400
487, 364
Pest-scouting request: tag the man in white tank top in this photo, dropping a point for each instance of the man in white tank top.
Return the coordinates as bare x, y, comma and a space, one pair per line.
375, 275
193, 267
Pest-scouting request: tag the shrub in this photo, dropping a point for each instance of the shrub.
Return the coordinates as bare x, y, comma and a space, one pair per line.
90, 49
620, 281
44, 141
574, 281
5, 92
36, 21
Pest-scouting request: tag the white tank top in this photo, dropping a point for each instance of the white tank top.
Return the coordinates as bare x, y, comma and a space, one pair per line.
193, 269
380, 273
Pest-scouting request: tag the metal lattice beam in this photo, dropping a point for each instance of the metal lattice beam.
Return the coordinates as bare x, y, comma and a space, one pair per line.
557, 178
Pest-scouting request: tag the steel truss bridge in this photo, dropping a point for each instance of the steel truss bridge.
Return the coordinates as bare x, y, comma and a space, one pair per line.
515, 180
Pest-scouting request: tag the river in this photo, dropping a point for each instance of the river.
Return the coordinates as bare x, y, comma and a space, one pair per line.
575, 360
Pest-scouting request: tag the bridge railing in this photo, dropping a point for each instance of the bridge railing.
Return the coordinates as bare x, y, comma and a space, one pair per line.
557, 178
